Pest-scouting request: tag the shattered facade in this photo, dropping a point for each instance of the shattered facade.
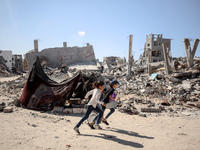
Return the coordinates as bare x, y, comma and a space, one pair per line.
56, 57
154, 45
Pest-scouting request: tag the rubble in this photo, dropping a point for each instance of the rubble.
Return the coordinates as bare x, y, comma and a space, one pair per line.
151, 87
4, 71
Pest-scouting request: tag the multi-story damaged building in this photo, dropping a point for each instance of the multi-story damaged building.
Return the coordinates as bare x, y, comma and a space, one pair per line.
17, 62
11, 61
153, 46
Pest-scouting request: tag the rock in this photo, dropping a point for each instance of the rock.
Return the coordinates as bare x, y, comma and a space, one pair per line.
142, 114
17, 102
7, 109
187, 113
198, 104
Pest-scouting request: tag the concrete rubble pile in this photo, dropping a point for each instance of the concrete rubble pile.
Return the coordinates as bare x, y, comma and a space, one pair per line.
180, 89
4, 71
157, 94
12, 90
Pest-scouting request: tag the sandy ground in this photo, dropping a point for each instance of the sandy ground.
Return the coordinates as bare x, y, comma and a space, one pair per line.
25, 129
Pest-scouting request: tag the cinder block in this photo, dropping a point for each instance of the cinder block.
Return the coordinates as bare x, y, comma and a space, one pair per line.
58, 109
77, 110
68, 110
7, 109
152, 109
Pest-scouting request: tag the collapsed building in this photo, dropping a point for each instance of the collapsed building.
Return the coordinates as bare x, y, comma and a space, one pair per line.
13, 63
64, 56
7, 55
17, 62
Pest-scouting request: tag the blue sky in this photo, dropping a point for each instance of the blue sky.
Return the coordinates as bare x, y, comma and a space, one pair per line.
106, 24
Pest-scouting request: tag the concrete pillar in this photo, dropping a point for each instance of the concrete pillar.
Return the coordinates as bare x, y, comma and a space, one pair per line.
149, 61
195, 44
130, 55
166, 52
190, 53
64, 44
36, 45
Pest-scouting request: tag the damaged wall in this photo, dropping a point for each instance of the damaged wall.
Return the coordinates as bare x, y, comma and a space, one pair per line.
55, 57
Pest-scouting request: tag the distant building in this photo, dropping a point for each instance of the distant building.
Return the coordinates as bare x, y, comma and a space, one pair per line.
7, 55
17, 62
154, 44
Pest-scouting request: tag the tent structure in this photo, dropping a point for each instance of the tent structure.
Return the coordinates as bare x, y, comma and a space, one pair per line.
42, 93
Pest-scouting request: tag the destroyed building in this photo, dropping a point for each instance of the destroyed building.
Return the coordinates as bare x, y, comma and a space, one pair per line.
7, 55
17, 62
154, 46
11, 61
63, 56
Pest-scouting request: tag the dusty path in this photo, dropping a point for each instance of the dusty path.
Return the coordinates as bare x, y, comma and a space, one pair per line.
27, 129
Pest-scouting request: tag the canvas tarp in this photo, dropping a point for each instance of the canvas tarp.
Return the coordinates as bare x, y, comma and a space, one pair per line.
42, 93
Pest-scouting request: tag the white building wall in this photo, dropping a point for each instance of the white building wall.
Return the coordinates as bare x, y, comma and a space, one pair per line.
7, 55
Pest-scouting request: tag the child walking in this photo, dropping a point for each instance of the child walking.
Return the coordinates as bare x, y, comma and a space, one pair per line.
92, 105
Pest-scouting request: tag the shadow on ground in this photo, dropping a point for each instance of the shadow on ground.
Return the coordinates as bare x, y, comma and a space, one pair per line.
130, 133
115, 139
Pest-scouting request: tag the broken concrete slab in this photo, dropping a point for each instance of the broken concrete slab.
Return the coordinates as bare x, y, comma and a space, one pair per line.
142, 114
8, 109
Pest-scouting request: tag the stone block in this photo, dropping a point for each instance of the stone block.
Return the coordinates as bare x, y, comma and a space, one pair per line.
7, 109
77, 110
58, 109
198, 104
2, 107
68, 110
142, 114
